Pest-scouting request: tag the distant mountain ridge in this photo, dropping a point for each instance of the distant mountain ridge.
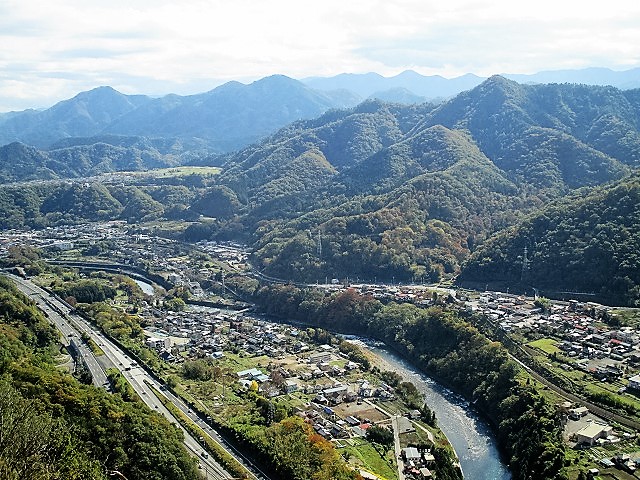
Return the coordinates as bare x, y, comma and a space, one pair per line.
226, 118
235, 115
433, 87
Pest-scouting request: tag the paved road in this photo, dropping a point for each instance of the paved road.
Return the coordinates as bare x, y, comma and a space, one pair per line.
396, 445
396, 437
73, 325
69, 333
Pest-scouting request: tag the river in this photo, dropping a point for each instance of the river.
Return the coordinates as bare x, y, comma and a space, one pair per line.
470, 436
146, 288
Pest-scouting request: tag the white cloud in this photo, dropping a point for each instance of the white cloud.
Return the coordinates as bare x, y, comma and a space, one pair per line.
143, 46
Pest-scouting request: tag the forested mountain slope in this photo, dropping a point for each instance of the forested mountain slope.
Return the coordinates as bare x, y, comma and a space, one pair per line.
84, 115
587, 242
20, 162
54, 427
409, 191
379, 191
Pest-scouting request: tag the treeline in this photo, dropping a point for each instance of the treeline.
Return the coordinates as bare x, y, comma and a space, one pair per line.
292, 449
86, 291
451, 349
54, 427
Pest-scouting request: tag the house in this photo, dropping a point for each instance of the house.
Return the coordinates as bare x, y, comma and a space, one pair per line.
167, 356
425, 473
290, 386
366, 390
578, 412
351, 366
353, 421
335, 395
253, 374
411, 454
429, 459
158, 343
320, 357
414, 414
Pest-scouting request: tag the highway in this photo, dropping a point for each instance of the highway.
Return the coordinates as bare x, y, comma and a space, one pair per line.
72, 325
69, 333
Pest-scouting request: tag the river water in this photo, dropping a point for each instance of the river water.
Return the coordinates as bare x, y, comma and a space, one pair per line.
470, 436
145, 287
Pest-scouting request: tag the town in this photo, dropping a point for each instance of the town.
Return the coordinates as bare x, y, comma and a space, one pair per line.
577, 343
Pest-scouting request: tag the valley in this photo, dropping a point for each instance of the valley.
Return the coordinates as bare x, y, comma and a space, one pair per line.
407, 224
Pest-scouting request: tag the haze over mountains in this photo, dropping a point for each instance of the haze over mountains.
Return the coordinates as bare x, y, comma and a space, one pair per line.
437, 87
226, 118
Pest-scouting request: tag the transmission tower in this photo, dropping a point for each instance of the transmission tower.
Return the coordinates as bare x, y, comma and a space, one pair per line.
525, 265
319, 247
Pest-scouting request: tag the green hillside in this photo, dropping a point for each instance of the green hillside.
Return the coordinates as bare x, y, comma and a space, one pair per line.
588, 242
54, 427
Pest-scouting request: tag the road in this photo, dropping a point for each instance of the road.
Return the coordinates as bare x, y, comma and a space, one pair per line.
69, 333
396, 446
73, 325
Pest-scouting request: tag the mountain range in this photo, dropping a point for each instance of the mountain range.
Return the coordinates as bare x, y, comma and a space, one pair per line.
405, 192
235, 115
430, 87
380, 190
226, 118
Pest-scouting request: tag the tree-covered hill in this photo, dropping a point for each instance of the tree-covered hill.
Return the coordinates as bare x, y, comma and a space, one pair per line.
84, 115
55, 203
409, 191
19, 162
587, 242
386, 191
549, 135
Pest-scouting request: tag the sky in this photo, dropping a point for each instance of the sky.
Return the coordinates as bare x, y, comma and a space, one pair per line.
52, 50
